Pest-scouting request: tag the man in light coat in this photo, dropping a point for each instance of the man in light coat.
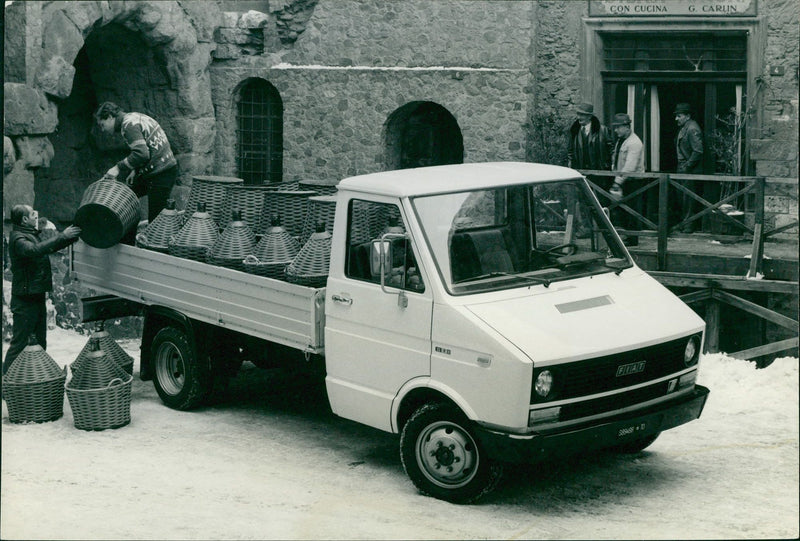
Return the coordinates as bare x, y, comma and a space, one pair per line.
628, 157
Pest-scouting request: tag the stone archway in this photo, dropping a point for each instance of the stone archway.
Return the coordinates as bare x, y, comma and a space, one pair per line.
151, 57
422, 133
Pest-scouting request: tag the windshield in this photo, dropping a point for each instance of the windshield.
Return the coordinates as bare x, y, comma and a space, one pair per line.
516, 236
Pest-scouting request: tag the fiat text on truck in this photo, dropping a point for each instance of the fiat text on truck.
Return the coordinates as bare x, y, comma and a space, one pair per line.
488, 313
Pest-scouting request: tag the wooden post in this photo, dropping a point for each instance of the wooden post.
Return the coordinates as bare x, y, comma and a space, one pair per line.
663, 224
757, 256
712, 326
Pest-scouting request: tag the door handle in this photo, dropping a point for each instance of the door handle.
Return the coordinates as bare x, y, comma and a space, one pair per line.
343, 298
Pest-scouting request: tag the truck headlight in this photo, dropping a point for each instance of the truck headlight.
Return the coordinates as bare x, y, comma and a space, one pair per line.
544, 383
692, 351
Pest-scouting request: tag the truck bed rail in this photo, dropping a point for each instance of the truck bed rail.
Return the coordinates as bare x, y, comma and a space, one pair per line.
285, 313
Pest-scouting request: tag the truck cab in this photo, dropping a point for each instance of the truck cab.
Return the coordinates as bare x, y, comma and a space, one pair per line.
490, 313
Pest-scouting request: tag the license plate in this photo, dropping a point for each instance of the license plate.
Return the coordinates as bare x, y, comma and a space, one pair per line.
628, 431
635, 429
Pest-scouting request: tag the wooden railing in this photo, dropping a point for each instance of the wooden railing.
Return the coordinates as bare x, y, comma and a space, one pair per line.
711, 288
669, 185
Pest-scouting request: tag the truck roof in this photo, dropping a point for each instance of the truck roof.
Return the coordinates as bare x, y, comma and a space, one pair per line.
450, 178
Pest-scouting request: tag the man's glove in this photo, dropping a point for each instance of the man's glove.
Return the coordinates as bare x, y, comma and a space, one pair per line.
616, 191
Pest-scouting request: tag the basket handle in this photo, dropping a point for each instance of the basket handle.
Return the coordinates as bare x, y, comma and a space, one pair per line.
252, 260
114, 382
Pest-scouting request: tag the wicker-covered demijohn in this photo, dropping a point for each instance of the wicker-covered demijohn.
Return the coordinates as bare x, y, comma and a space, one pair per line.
99, 393
310, 266
235, 243
196, 237
157, 235
34, 386
247, 199
108, 210
212, 191
290, 205
276, 249
321, 208
108, 345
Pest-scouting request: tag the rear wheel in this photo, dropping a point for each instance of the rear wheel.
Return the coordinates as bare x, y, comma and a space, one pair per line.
180, 379
443, 458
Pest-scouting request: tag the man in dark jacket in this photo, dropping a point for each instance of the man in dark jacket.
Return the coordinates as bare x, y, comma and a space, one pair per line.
590, 143
689, 150
151, 163
32, 277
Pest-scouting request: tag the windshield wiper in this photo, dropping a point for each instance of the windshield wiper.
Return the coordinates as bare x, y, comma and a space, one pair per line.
588, 257
535, 279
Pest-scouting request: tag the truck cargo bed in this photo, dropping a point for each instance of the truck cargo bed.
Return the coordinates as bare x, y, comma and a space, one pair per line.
289, 314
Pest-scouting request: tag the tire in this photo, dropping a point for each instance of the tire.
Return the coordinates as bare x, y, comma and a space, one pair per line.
182, 382
443, 458
634, 446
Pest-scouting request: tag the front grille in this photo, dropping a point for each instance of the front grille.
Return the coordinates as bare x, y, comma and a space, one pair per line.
613, 402
599, 375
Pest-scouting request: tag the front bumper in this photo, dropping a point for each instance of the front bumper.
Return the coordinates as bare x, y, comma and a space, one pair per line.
610, 432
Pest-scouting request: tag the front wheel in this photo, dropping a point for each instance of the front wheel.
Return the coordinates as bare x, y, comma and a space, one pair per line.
180, 379
442, 457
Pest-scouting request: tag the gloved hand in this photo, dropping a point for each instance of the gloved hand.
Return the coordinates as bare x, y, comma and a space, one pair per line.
112, 173
616, 192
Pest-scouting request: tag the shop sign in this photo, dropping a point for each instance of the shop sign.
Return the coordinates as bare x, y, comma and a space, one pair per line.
668, 8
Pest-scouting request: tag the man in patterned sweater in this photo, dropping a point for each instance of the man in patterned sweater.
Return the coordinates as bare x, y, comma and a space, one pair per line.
151, 167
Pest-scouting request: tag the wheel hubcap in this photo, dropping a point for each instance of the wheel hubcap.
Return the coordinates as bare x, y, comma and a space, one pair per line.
447, 454
170, 369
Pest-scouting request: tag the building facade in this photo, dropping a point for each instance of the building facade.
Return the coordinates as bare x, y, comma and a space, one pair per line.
324, 89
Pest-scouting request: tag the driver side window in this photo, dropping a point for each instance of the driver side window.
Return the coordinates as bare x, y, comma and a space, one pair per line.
367, 221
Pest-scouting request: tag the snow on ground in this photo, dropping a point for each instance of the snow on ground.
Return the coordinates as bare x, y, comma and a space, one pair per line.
268, 460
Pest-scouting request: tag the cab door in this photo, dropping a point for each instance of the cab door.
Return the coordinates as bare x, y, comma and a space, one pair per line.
376, 338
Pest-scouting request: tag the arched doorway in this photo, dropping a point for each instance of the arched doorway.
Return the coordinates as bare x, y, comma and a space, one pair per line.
259, 142
157, 70
422, 133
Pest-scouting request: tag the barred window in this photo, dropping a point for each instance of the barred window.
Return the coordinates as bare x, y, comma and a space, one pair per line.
259, 133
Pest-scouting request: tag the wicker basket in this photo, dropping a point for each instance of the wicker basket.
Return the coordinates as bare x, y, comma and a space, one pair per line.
290, 205
109, 346
310, 266
235, 243
108, 210
322, 187
320, 209
196, 237
33, 388
157, 234
273, 253
212, 191
99, 393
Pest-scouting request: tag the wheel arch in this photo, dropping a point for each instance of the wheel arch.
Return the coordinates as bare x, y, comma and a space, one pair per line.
422, 391
155, 319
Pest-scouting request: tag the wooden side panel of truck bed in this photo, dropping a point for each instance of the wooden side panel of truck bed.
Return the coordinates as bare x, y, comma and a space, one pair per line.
274, 310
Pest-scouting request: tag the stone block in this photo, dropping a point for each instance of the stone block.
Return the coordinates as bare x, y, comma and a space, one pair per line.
205, 17
193, 134
82, 14
14, 43
772, 149
55, 76
768, 168
9, 155
779, 205
230, 19
27, 111
17, 188
253, 19
35, 151
61, 37
193, 163
227, 51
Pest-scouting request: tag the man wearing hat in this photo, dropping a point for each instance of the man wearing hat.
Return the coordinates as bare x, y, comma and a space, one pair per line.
589, 142
628, 157
689, 150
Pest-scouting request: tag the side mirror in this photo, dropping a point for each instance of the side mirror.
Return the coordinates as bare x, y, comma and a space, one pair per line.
380, 257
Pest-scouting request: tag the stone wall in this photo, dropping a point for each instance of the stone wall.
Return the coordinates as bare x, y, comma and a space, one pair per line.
355, 63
